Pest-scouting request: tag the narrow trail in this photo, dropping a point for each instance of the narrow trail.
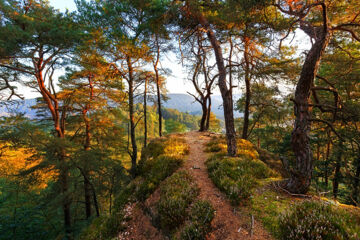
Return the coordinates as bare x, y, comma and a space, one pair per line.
228, 224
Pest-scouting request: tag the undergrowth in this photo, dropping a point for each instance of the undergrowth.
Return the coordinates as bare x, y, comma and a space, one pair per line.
315, 220
159, 160
180, 214
236, 176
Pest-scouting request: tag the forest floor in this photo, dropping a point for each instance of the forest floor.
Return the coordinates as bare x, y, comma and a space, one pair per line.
229, 222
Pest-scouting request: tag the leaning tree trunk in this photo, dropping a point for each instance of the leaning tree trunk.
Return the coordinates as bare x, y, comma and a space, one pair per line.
225, 92
132, 118
300, 179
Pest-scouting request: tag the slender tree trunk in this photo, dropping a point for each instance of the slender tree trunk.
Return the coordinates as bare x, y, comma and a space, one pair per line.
145, 114
300, 179
248, 90
155, 64
355, 193
225, 92
327, 163
207, 125
87, 184
337, 174
132, 118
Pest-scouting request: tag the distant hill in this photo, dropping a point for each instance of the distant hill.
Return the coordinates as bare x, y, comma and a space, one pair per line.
181, 102
186, 103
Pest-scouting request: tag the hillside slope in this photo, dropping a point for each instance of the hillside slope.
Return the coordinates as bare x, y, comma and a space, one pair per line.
188, 188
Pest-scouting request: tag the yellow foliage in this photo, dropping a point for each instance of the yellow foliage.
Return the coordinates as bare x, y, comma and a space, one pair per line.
14, 161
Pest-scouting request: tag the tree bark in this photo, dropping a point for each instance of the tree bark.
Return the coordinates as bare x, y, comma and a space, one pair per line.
155, 64
207, 126
337, 174
327, 163
300, 179
355, 193
132, 118
248, 90
59, 126
203, 116
145, 113
225, 93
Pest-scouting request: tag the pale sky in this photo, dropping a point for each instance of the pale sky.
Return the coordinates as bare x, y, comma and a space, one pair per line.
176, 83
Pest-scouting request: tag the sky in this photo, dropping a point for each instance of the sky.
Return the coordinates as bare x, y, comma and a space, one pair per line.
176, 81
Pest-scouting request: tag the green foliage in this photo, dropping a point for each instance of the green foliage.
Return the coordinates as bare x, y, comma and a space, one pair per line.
181, 120
172, 126
237, 176
155, 171
176, 195
201, 215
316, 220
169, 145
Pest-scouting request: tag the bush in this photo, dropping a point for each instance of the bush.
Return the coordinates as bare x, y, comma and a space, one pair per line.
170, 145
176, 195
200, 217
156, 165
312, 220
154, 171
238, 176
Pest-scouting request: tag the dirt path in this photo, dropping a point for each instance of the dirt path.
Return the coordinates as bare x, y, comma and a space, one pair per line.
228, 224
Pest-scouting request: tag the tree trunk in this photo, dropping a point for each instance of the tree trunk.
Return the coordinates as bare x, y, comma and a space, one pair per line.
203, 116
63, 176
225, 93
300, 179
248, 93
155, 64
355, 193
145, 114
327, 163
132, 118
207, 125
59, 126
337, 174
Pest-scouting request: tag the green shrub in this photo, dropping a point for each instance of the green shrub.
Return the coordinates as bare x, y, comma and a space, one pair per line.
170, 145
200, 217
312, 220
176, 195
202, 212
238, 176
103, 228
193, 231
154, 171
